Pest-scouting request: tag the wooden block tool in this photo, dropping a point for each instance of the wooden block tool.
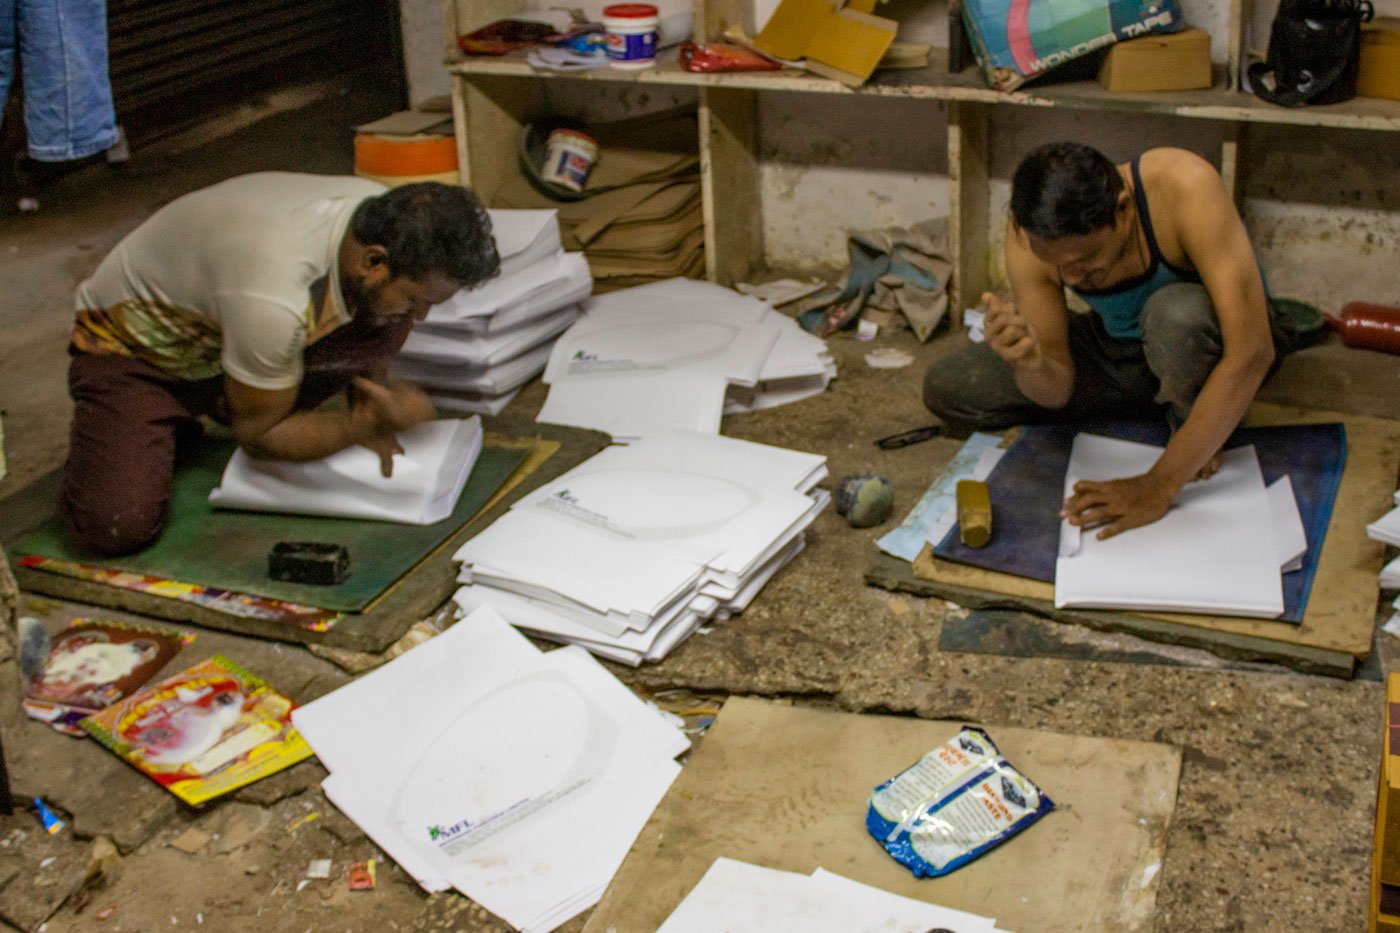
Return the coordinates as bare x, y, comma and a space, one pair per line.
974, 512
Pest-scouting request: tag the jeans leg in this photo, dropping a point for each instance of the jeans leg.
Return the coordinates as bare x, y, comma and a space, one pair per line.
1182, 340
67, 94
9, 49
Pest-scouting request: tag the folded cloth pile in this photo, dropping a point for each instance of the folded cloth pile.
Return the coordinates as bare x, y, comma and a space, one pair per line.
638, 218
630, 552
475, 351
678, 354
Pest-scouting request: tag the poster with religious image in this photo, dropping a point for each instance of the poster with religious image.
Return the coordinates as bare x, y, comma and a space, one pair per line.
203, 732
93, 664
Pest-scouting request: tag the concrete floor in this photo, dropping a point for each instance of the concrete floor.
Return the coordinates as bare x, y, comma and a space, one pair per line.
1273, 823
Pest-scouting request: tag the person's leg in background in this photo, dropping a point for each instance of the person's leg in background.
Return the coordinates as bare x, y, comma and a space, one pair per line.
67, 92
127, 419
975, 390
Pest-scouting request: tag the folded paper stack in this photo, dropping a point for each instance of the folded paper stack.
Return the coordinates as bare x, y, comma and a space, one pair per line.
630, 552
475, 351
479, 763
678, 354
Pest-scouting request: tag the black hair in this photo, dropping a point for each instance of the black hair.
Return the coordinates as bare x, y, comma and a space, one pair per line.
1065, 189
428, 227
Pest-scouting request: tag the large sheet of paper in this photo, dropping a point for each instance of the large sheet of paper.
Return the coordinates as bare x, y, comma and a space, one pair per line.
739, 897
427, 479
524, 237
482, 350
477, 762
1213, 552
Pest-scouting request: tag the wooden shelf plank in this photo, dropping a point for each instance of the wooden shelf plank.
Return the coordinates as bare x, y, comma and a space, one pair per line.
934, 83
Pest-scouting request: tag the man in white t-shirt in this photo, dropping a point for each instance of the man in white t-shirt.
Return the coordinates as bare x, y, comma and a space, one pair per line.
253, 301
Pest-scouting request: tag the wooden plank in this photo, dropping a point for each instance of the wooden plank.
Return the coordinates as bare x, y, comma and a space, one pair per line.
489, 113
1233, 164
891, 573
414, 596
1340, 618
785, 787
967, 205
1240, 11
934, 83
729, 184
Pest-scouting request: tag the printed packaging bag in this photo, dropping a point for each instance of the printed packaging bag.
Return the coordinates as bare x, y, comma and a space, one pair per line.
1017, 40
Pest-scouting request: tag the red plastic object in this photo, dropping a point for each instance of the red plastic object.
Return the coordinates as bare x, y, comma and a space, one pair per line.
1369, 326
722, 56
630, 10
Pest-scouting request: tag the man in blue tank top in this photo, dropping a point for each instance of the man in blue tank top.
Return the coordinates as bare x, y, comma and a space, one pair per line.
1180, 319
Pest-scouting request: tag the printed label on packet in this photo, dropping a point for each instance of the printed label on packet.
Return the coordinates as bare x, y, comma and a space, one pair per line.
936, 817
940, 771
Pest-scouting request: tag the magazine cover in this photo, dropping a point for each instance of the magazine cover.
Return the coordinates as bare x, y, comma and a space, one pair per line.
203, 732
93, 664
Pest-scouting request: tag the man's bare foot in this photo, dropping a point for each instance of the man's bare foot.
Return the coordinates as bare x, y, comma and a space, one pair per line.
1212, 466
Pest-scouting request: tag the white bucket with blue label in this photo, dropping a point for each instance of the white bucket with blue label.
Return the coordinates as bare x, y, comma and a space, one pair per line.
569, 158
632, 30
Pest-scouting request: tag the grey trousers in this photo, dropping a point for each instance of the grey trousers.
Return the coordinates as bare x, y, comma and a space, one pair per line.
1158, 376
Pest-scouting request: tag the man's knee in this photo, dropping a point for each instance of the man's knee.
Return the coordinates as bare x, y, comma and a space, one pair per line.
1179, 312
111, 530
967, 393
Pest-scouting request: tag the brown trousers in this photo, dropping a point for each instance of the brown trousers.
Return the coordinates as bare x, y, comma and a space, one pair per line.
129, 417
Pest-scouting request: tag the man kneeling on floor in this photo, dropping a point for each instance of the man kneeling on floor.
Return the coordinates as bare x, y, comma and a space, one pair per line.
252, 302
1180, 319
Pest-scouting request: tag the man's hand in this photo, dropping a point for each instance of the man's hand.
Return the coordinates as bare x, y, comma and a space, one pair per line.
1009, 334
1118, 504
380, 411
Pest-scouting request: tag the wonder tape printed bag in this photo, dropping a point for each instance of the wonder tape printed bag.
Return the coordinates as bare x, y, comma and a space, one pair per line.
1017, 40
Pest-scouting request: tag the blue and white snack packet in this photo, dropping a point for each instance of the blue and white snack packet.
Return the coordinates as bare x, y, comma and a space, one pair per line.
955, 803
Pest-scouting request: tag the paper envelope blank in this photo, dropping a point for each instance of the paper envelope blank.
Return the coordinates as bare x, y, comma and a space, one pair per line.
1213, 552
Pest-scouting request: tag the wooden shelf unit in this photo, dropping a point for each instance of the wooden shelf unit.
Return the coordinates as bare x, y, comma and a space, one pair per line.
494, 96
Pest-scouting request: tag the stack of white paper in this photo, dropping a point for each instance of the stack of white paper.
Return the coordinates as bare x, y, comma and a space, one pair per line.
1215, 551
665, 356
427, 479
737, 897
479, 763
628, 553
477, 349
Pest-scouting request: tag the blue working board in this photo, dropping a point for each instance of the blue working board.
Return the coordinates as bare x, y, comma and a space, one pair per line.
1027, 488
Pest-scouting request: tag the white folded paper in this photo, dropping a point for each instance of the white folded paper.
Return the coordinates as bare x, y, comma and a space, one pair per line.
1213, 552
737, 897
428, 478
477, 762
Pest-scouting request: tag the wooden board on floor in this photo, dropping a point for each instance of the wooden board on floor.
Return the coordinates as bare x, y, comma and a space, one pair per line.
418, 593
786, 787
1337, 626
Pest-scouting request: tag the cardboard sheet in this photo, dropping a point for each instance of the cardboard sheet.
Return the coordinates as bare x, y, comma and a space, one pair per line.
1340, 617
786, 788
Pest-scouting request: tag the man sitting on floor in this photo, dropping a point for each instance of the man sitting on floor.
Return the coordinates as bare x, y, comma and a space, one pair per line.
1180, 318
252, 302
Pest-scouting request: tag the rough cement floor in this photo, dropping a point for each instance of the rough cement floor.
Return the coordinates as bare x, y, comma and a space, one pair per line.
1273, 821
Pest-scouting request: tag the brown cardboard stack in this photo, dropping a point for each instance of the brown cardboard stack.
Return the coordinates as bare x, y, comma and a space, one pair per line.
1170, 61
641, 221
1379, 73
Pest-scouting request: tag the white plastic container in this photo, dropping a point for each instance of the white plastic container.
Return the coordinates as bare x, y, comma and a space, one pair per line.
632, 30
569, 158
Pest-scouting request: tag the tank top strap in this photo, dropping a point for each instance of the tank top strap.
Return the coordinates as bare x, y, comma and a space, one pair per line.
1140, 198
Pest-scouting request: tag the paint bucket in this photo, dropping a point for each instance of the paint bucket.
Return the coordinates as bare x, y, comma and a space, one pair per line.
401, 160
569, 158
632, 30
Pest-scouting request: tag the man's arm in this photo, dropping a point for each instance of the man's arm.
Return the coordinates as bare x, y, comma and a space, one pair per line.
1213, 238
1032, 334
266, 426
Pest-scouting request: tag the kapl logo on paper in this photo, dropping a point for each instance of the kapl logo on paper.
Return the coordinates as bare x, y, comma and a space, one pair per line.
440, 834
564, 495
585, 356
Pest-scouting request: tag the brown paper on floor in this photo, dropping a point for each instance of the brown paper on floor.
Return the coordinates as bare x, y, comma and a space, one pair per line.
657, 265
786, 788
655, 238
1341, 610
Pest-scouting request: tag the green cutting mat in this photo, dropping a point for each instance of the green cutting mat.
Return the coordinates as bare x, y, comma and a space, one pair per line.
229, 550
